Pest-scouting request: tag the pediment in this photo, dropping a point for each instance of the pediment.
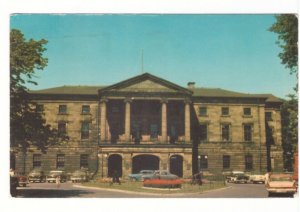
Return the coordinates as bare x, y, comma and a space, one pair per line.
145, 83
147, 86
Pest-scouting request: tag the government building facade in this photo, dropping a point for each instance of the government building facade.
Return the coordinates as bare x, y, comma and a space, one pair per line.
147, 122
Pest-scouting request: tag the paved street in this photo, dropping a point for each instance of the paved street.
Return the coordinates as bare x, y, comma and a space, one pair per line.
68, 189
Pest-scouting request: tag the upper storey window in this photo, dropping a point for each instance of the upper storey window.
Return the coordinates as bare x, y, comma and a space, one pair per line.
247, 111
39, 108
203, 111
85, 109
248, 132
62, 109
225, 111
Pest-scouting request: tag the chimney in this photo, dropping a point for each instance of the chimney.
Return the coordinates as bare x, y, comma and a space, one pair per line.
191, 85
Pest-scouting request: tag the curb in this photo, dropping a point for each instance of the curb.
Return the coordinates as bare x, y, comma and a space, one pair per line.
144, 193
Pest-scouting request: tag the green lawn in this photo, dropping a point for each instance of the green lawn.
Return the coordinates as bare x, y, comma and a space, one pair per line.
138, 187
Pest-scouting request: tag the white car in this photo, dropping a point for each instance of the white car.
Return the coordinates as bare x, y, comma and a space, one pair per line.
258, 178
281, 183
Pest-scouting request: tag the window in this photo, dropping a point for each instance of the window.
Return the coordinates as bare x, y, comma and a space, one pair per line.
153, 131
248, 162
226, 161
203, 111
85, 130
248, 132
268, 116
62, 129
36, 161
203, 162
39, 108
225, 111
225, 130
203, 132
62, 109
60, 161
247, 111
85, 109
84, 161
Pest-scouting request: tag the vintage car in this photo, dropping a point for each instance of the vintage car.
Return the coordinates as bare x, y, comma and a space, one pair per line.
54, 174
80, 176
280, 184
257, 178
160, 174
241, 179
231, 178
139, 176
36, 175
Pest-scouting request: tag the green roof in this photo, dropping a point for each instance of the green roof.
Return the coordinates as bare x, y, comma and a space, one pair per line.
66, 89
197, 92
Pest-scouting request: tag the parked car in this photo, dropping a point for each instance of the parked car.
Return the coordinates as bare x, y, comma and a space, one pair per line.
80, 176
241, 179
232, 177
139, 176
53, 175
37, 175
160, 174
281, 183
257, 178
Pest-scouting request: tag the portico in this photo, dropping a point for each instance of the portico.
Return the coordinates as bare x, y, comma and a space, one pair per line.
144, 121
146, 110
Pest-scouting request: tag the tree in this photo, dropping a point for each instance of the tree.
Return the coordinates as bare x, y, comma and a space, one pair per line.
289, 114
286, 26
27, 126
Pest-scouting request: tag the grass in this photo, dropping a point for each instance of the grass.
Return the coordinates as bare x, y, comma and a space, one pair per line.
138, 187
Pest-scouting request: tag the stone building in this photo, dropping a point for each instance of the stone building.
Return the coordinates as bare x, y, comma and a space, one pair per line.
147, 122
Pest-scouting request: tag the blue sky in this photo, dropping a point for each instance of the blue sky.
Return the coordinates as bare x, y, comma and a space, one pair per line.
234, 52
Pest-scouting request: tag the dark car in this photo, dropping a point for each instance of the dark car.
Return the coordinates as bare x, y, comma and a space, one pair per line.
80, 176
37, 175
54, 174
160, 174
242, 179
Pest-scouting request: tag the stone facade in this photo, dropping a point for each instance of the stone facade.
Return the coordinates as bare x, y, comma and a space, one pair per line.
149, 123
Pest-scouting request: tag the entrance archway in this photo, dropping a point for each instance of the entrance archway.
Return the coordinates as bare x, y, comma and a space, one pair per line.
144, 162
176, 162
114, 163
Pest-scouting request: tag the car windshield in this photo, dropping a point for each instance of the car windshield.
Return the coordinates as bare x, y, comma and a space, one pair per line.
281, 178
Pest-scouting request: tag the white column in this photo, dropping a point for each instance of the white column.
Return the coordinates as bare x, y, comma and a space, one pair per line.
164, 129
103, 120
187, 121
127, 119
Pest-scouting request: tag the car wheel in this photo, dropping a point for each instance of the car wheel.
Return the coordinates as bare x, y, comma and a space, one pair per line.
270, 194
